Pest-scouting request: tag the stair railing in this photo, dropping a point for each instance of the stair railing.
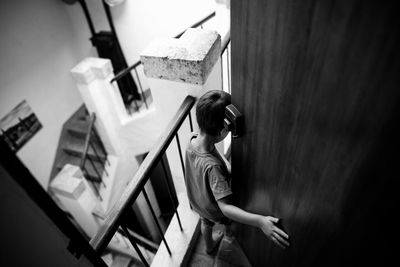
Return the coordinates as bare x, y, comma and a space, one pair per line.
135, 66
117, 217
87, 160
115, 220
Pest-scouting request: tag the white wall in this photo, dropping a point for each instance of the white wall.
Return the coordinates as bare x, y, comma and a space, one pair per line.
138, 22
41, 42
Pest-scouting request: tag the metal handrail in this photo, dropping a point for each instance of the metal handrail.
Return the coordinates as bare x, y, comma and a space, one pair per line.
225, 42
123, 72
87, 140
197, 24
114, 218
85, 156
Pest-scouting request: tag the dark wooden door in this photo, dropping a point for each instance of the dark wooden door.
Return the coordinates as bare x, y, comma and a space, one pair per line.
318, 84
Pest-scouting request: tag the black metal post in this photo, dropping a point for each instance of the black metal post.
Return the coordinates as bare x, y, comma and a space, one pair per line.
123, 58
101, 144
170, 193
112, 27
85, 174
88, 18
141, 88
98, 157
155, 219
190, 122
180, 152
97, 172
124, 228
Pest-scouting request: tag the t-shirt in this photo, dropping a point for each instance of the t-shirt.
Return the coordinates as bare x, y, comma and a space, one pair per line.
207, 180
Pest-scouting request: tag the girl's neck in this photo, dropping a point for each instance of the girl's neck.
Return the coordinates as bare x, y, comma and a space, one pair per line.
203, 143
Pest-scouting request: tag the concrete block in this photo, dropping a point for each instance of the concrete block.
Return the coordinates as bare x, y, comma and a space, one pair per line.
69, 182
91, 68
188, 59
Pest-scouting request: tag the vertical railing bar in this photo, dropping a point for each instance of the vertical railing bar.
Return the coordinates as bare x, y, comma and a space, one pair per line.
155, 219
143, 241
97, 172
135, 246
180, 152
227, 68
98, 157
190, 122
141, 89
101, 144
93, 185
125, 242
169, 186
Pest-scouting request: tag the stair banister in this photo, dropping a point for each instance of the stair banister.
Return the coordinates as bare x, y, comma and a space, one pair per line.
87, 140
85, 156
114, 218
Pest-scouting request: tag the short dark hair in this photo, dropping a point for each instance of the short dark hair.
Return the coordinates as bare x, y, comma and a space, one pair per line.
210, 111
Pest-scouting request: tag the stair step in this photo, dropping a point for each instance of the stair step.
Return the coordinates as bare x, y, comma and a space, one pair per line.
67, 159
107, 258
91, 175
230, 254
71, 141
75, 146
121, 261
82, 113
72, 153
78, 128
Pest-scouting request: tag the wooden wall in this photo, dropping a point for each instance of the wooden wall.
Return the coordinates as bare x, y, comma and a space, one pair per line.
318, 84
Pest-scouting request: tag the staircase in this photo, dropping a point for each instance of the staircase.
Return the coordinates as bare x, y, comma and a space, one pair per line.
71, 148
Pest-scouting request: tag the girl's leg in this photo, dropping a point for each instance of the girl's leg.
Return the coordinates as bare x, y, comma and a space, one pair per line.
212, 241
228, 230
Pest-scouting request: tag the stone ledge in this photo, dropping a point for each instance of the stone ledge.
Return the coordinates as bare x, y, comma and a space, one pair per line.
69, 182
91, 68
188, 59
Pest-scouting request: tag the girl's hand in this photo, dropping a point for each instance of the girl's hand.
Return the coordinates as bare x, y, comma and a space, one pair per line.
267, 225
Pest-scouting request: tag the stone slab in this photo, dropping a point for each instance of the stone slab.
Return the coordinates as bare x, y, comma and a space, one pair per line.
69, 182
91, 68
188, 59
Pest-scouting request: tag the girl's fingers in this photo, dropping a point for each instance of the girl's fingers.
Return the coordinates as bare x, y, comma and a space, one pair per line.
280, 232
273, 219
281, 240
277, 242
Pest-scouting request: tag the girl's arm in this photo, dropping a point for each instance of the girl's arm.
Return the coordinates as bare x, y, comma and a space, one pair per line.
265, 223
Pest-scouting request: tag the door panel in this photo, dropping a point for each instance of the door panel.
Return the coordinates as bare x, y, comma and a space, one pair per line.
317, 82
